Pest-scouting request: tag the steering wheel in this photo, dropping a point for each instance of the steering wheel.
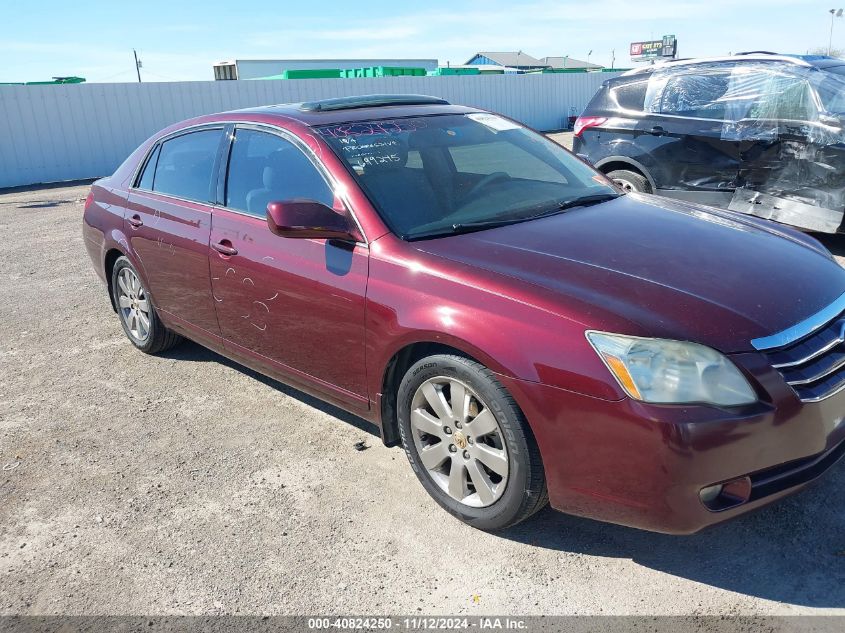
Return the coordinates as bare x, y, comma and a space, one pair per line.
481, 184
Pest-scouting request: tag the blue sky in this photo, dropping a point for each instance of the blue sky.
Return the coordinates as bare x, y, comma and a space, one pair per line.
180, 40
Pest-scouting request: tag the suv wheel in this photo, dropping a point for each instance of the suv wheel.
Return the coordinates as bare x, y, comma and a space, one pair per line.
469, 443
137, 314
630, 181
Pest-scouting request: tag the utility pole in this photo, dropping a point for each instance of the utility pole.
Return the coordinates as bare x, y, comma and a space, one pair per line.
137, 65
612, 59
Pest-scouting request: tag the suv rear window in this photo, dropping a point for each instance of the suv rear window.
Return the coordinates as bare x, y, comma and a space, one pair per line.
628, 96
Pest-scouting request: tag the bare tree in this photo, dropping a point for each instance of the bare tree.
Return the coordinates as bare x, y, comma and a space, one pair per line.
822, 50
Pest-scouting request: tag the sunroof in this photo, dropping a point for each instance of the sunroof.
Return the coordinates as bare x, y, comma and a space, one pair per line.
369, 101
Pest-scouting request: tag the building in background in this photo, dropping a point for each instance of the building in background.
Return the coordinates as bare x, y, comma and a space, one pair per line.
566, 62
260, 68
512, 60
517, 61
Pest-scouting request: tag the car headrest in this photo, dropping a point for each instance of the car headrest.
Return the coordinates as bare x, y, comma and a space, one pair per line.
274, 173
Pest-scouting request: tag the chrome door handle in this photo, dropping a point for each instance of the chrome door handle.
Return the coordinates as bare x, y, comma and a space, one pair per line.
135, 221
225, 248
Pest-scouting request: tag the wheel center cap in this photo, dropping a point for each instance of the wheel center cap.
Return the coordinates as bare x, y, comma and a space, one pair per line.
460, 440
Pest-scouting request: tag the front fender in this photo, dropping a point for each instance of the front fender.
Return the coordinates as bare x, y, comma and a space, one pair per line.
513, 336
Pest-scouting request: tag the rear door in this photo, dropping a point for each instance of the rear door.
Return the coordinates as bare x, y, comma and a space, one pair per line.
294, 306
169, 222
684, 132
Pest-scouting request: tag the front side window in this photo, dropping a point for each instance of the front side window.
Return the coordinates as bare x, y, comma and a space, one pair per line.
185, 165
264, 168
438, 175
831, 89
780, 97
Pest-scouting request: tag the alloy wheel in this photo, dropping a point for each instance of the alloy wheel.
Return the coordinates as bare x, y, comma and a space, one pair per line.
134, 305
459, 441
626, 185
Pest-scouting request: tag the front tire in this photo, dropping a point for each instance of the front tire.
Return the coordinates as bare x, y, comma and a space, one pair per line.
469, 444
137, 314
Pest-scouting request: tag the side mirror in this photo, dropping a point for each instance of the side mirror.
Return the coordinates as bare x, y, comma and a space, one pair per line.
307, 219
832, 121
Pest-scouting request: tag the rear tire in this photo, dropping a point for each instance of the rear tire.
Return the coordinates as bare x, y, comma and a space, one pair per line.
490, 475
630, 181
136, 312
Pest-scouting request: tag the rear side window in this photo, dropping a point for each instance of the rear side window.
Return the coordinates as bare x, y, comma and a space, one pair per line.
266, 168
185, 164
148, 176
696, 95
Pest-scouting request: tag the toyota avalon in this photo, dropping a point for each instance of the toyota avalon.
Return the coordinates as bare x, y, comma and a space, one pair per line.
525, 330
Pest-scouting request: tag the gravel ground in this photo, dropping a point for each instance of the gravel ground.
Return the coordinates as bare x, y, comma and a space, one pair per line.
185, 484
563, 138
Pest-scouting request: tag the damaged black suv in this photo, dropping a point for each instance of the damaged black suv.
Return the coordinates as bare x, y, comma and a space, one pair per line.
758, 133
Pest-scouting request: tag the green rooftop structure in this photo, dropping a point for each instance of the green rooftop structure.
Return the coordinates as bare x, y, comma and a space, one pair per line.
55, 82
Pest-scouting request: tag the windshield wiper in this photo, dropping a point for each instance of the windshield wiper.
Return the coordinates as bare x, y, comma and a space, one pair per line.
587, 200
481, 225
466, 227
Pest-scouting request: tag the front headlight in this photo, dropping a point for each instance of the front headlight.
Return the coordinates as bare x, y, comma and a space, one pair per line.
671, 372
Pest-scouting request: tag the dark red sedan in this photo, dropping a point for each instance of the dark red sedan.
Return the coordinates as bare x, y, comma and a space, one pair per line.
524, 330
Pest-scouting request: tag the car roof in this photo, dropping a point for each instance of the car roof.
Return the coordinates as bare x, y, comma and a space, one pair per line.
359, 108
749, 57
822, 62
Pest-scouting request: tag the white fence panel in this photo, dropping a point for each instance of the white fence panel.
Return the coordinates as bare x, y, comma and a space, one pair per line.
69, 132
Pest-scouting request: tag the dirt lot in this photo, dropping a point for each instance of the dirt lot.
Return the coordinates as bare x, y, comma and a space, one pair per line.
186, 484
563, 138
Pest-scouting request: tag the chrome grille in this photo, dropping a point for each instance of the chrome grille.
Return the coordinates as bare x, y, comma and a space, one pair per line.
815, 365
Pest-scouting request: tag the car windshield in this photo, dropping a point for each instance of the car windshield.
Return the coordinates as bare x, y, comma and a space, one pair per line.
443, 174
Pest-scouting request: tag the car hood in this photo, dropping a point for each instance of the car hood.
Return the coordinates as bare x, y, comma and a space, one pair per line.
661, 268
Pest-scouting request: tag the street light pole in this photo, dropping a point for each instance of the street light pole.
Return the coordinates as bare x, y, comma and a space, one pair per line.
833, 14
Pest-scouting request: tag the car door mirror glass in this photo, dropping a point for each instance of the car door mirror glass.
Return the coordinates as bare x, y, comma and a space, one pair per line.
308, 219
831, 120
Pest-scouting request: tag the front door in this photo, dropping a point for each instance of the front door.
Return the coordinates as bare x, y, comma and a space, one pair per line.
168, 222
294, 305
791, 161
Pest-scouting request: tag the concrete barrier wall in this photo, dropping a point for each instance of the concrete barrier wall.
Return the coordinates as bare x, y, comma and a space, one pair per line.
68, 132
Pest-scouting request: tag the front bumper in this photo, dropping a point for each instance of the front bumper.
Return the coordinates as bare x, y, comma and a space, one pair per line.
643, 465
